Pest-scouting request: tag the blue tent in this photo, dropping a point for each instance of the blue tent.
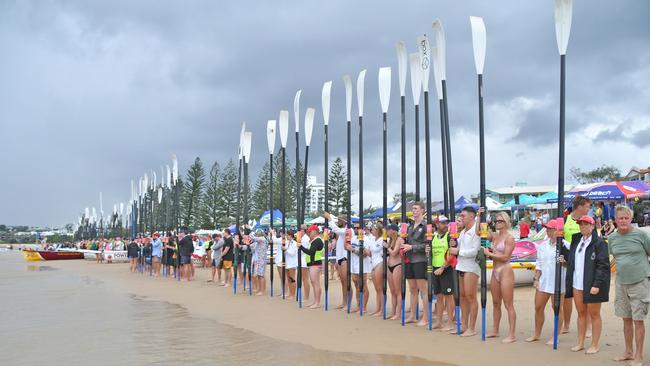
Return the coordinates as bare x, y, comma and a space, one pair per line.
463, 202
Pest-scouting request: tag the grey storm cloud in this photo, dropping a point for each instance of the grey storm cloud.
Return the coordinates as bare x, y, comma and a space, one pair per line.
94, 94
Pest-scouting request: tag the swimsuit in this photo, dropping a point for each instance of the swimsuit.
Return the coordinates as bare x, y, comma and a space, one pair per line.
496, 271
392, 268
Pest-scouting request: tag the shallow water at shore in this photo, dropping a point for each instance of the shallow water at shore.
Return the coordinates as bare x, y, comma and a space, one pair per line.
57, 317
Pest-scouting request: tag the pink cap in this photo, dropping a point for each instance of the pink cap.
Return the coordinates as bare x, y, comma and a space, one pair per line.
552, 224
587, 219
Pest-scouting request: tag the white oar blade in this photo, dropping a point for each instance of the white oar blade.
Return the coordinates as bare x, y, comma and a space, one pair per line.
402, 64
296, 109
160, 192
248, 140
284, 127
309, 124
347, 81
121, 208
175, 168
436, 72
270, 135
479, 40
169, 176
439, 34
241, 140
325, 101
361, 79
563, 15
416, 77
425, 60
384, 88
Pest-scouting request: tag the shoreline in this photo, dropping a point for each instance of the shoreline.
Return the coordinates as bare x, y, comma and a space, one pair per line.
337, 331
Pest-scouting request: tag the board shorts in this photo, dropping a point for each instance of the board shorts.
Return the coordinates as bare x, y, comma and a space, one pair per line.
416, 271
632, 301
226, 264
186, 259
443, 284
341, 261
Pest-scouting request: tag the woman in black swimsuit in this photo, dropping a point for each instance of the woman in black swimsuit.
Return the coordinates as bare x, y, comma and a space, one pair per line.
394, 269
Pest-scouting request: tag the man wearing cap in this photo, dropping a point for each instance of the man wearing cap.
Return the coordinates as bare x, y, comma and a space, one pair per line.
338, 227
314, 259
443, 281
156, 252
185, 248
587, 281
630, 247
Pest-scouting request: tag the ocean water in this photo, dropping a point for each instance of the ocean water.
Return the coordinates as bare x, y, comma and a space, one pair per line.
51, 316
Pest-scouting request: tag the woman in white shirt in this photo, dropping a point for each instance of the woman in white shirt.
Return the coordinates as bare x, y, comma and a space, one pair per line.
353, 247
291, 261
544, 281
376, 246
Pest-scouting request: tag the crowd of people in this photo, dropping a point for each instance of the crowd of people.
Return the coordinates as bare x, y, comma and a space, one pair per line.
452, 251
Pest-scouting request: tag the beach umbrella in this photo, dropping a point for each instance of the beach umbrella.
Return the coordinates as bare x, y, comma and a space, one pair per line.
270, 139
440, 70
384, 99
563, 15
479, 40
425, 63
284, 132
325, 103
347, 81
360, 91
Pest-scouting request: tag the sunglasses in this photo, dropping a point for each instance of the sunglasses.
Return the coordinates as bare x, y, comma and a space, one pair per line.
500, 221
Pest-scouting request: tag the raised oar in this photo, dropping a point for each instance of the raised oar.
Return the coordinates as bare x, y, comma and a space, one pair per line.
563, 15
425, 63
237, 228
348, 110
284, 132
248, 138
440, 69
325, 101
403, 230
309, 126
296, 114
360, 84
176, 213
478, 42
384, 99
270, 139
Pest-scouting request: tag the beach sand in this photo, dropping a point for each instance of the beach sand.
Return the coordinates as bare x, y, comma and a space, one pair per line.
335, 330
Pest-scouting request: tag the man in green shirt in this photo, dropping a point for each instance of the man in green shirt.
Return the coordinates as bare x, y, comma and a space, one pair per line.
630, 247
581, 206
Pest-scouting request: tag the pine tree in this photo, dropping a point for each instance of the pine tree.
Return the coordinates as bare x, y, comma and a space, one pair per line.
260, 196
227, 196
338, 187
210, 201
191, 197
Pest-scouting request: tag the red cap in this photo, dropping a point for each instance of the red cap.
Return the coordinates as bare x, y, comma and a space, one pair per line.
156, 234
587, 219
312, 228
552, 224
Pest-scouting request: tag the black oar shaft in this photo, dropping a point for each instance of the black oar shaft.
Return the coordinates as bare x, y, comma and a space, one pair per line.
481, 134
326, 248
348, 284
361, 249
271, 222
284, 223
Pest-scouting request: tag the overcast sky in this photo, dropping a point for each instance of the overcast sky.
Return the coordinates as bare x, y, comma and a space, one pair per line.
95, 93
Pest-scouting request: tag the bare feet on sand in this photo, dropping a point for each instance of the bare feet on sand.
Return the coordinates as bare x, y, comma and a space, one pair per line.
509, 339
532, 339
624, 357
468, 333
492, 335
422, 322
577, 348
592, 350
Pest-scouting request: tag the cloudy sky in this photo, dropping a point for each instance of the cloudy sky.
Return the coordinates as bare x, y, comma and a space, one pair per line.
95, 93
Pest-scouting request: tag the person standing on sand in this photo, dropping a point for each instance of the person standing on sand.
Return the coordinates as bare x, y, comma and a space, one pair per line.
376, 246
132, 252
355, 268
502, 283
227, 256
587, 281
394, 269
416, 269
291, 257
630, 248
338, 227
314, 258
443, 280
469, 243
186, 248
217, 245
156, 253
259, 246
580, 206
544, 280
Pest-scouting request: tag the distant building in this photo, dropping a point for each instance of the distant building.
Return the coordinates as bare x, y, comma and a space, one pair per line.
638, 174
505, 194
315, 200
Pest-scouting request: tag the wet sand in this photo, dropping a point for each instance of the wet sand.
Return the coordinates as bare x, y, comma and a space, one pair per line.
335, 330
